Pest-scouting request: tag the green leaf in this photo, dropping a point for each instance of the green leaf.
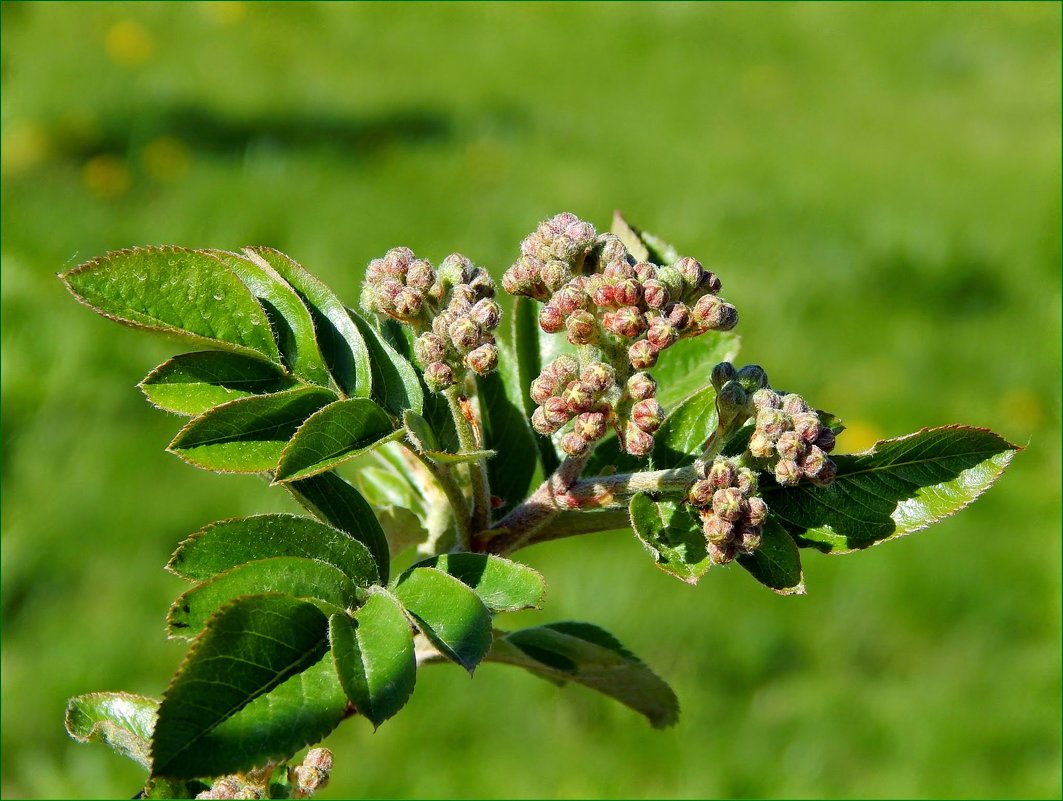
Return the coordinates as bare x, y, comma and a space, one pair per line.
685, 367
396, 385
899, 486
423, 438
684, 431
332, 435
224, 545
374, 657
450, 614
178, 292
292, 325
776, 563
506, 430
528, 364
334, 501
247, 435
587, 655
248, 648
295, 576
672, 535
121, 721
642, 244
436, 413
341, 344
502, 585
192, 383
302, 711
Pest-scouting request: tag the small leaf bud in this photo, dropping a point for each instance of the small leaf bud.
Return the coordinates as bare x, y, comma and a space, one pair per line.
721, 374
591, 425
464, 333
438, 376
790, 445
647, 415
543, 387
761, 445
579, 397
429, 348
641, 386
767, 399
482, 360
581, 328
573, 444
758, 511
787, 473
641, 355
636, 441
752, 377
541, 424
717, 530
795, 404
556, 411
700, 493
826, 440
728, 504
486, 313
672, 280
551, 320
598, 376
807, 425
655, 294
722, 474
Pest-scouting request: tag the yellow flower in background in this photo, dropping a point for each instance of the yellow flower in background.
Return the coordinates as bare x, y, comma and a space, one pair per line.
165, 159
106, 176
23, 147
129, 44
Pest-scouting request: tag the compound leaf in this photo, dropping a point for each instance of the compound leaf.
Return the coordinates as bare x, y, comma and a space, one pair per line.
672, 535
334, 501
292, 575
176, 291
339, 340
587, 655
224, 545
121, 721
250, 647
247, 435
192, 383
897, 487
450, 614
292, 325
776, 563
374, 657
502, 585
332, 435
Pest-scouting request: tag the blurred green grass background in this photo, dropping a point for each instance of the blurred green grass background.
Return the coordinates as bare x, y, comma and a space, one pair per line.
879, 188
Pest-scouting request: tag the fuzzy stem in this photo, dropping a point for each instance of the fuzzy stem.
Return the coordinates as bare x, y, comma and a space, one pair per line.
481, 492
458, 501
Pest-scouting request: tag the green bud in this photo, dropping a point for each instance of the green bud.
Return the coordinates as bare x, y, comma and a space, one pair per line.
455, 269
721, 374
732, 401
671, 279
555, 274
752, 377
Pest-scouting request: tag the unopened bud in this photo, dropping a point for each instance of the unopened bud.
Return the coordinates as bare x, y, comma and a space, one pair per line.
807, 426
579, 397
813, 462
746, 481
692, 272
308, 779
728, 504
795, 404
556, 411
749, 539
564, 368
678, 314
790, 445
826, 440
645, 271
573, 444
722, 553
717, 530
732, 400
407, 303
787, 473
222, 788
722, 373
661, 334
598, 376
429, 348
320, 758
464, 333
618, 269
626, 322
700, 493
482, 360
397, 260
636, 441
757, 512
627, 293
555, 274
420, 275
655, 294
772, 422
570, 298
541, 424
826, 474
761, 445
486, 313
722, 474
581, 328
543, 387
438, 376
551, 320
604, 296
752, 377
767, 399
612, 249
590, 425
671, 280
716, 315
712, 282
641, 386
641, 355
647, 415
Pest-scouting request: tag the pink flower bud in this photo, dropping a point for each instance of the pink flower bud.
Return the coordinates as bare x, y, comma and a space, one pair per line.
661, 334
555, 274
375, 272
626, 322
641, 355
645, 271
748, 539
618, 270
627, 292
712, 283
581, 328
579, 397
429, 348
641, 386
438, 376
728, 504
486, 313
825, 474
543, 387
541, 424
569, 298
714, 314
787, 473
790, 445
420, 275
700, 493
408, 304
758, 511
591, 426
717, 530
655, 294
795, 404
761, 445
397, 260
807, 426
647, 415
722, 474
598, 376
556, 411
766, 399
678, 314
604, 296
772, 422
482, 360
692, 272
612, 249
573, 444
464, 333
636, 441
551, 320
320, 758
564, 368
746, 481
721, 553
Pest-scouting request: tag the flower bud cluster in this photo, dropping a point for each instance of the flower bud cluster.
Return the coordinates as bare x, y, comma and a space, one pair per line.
731, 513
550, 256
313, 774
789, 433
451, 309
